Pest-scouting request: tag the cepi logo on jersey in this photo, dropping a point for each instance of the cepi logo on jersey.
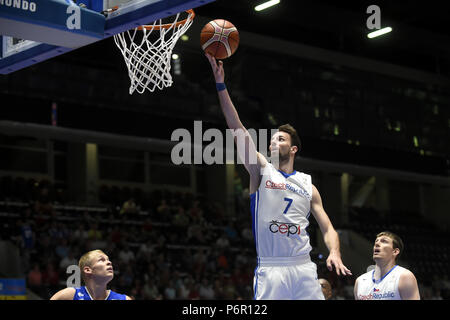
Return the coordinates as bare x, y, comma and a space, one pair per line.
284, 228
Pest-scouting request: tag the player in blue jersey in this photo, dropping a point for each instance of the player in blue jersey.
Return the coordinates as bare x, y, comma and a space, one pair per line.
97, 271
281, 201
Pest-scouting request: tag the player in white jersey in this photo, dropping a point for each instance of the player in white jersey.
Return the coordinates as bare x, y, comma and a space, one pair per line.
387, 281
281, 201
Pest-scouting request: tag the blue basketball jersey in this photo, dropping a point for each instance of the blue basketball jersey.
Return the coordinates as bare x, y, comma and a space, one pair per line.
83, 294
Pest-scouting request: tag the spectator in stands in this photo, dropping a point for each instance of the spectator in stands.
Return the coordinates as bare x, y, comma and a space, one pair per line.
218, 288
206, 291
229, 289
129, 207
120, 285
241, 259
54, 231
186, 259
239, 279
44, 247
194, 291
222, 242
170, 292
195, 211
154, 243
43, 204
211, 261
195, 233
126, 255
181, 219
62, 249
247, 235
27, 235
160, 239
128, 276
87, 217
50, 277
161, 263
116, 236
183, 286
94, 234
81, 233
147, 225
231, 233
199, 260
222, 261
35, 278
150, 290
326, 288
68, 260
163, 211
145, 252
65, 231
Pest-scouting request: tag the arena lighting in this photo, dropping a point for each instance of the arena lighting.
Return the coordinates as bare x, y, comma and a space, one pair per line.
379, 32
266, 5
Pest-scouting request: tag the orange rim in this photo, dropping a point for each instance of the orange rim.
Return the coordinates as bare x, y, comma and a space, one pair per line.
169, 25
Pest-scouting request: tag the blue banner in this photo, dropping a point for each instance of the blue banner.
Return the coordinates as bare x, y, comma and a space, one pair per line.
13, 287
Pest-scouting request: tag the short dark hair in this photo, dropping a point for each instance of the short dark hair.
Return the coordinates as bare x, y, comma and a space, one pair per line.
396, 241
295, 139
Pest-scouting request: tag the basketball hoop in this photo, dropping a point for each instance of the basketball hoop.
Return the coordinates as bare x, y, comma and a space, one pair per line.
148, 59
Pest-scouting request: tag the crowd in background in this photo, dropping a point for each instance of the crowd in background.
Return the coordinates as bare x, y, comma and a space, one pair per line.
176, 246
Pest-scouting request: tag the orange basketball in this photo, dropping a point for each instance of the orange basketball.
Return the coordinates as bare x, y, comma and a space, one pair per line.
219, 38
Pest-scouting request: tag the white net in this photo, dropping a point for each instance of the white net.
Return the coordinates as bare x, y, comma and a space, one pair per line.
147, 52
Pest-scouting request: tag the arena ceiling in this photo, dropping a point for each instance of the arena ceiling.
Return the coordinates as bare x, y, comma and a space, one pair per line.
96, 84
420, 38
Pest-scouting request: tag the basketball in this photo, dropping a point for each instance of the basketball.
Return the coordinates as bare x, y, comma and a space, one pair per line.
219, 38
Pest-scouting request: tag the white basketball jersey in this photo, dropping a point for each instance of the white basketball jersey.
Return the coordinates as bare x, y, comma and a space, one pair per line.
385, 288
280, 210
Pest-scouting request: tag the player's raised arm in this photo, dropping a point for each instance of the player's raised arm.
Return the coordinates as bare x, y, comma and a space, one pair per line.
228, 109
330, 236
252, 159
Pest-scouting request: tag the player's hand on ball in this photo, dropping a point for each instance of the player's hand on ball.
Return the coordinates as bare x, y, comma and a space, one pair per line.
217, 67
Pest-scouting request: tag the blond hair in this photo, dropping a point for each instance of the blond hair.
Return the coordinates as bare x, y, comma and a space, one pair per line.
86, 260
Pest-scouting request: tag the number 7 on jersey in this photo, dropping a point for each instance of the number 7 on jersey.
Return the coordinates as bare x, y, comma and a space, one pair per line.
289, 200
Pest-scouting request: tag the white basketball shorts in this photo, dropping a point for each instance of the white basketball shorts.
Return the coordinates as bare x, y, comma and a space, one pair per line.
286, 278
